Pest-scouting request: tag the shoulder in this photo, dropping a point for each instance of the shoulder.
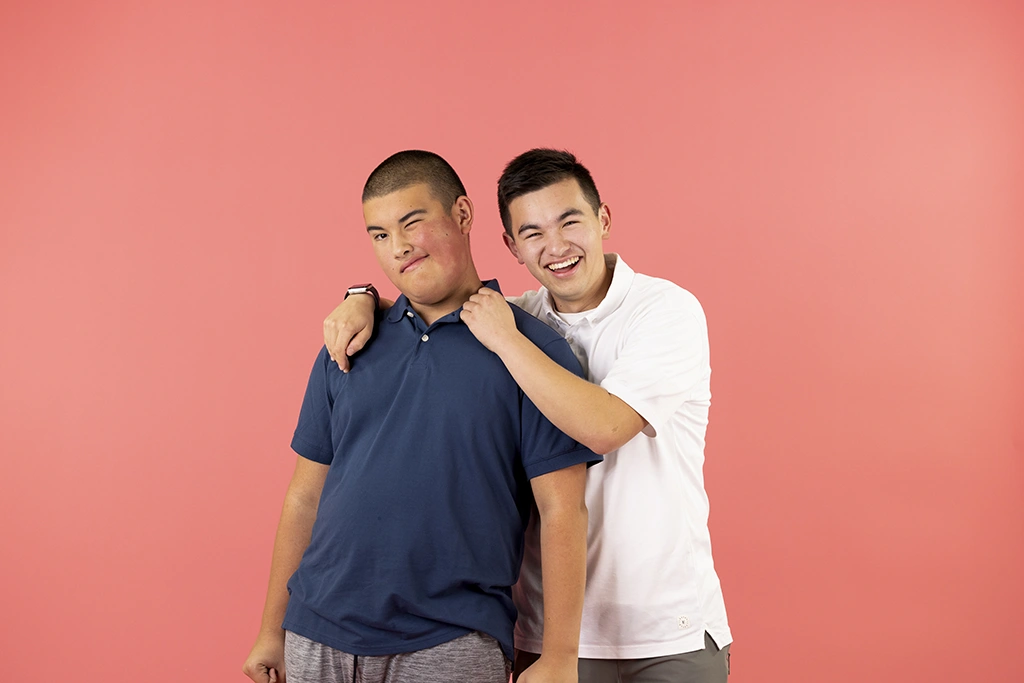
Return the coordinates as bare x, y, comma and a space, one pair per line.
530, 301
546, 339
533, 329
323, 362
327, 373
658, 296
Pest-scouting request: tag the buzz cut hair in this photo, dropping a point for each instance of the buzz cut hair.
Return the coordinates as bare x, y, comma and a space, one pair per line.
539, 168
412, 167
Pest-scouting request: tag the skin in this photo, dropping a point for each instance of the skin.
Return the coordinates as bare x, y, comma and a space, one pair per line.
424, 250
554, 225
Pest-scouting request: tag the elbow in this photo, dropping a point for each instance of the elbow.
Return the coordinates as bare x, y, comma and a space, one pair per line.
571, 511
302, 503
604, 443
598, 446
614, 432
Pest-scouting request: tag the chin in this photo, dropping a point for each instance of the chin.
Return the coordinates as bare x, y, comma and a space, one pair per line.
424, 297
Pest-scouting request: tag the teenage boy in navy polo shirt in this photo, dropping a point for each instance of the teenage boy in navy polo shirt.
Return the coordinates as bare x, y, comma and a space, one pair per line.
402, 529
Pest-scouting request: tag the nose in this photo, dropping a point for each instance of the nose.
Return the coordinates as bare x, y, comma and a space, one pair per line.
557, 245
400, 246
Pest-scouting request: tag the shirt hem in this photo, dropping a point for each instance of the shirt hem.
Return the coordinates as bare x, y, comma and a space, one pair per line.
406, 646
308, 450
646, 651
574, 456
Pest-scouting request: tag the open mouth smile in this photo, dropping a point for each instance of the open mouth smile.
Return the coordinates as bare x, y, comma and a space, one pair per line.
563, 266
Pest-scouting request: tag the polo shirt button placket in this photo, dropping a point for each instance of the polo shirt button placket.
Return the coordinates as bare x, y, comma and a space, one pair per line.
424, 338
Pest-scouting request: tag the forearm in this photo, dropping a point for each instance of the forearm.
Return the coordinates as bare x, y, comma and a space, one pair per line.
585, 411
563, 541
293, 534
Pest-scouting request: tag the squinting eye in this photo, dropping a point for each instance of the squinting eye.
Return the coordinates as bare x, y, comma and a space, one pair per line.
532, 234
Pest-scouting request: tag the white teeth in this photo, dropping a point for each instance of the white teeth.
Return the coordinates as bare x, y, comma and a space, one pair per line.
564, 264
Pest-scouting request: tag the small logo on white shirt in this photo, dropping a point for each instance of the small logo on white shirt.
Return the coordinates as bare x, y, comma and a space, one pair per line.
684, 623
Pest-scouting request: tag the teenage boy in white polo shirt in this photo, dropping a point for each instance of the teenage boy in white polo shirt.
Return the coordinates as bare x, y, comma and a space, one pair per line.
653, 609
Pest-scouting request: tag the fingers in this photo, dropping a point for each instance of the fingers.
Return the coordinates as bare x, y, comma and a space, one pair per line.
359, 341
337, 338
348, 328
467, 310
337, 351
333, 331
259, 673
483, 293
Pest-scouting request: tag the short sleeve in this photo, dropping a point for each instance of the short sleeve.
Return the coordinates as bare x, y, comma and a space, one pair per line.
312, 438
663, 358
545, 448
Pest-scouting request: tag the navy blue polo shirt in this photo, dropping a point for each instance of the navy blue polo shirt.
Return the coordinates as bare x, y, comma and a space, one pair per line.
431, 443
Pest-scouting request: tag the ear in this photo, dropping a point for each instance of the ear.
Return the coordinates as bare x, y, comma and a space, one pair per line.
604, 216
511, 244
462, 214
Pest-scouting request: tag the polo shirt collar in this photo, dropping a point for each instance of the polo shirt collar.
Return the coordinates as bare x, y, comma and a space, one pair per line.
622, 280
402, 306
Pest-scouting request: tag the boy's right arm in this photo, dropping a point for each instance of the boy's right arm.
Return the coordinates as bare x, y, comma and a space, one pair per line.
349, 327
265, 663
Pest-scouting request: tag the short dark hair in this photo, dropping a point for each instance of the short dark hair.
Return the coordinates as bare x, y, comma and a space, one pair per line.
411, 167
540, 168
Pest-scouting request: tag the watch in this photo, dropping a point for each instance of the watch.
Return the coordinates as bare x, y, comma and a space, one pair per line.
365, 289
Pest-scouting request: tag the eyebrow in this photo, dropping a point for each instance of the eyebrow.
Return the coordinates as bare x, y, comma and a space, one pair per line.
401, 220
565, 214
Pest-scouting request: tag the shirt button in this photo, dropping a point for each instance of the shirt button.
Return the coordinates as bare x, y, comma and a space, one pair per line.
408, 314
424, 338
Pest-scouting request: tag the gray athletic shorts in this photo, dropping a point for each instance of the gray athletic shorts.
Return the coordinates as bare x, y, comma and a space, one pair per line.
472, 658
710, 665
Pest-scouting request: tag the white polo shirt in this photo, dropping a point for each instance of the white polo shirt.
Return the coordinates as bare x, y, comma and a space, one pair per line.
652, 589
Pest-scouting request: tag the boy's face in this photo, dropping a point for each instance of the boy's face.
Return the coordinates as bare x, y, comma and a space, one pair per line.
557, 234
423, 249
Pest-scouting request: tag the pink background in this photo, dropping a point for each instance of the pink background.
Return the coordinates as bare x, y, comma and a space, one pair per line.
839, 183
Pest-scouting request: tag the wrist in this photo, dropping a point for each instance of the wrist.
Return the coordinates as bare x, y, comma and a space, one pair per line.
364, 289
271, 633
553, 660
509, 346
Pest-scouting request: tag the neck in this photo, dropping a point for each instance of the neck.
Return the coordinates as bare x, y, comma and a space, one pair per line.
589, 301
431, 312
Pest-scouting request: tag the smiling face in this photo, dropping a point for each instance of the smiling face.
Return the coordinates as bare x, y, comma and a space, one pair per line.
424, 249
558, 235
